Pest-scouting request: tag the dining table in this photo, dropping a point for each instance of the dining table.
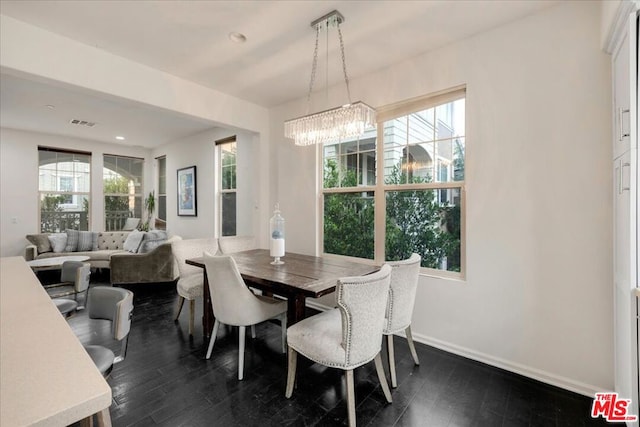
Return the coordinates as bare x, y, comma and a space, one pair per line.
299, 277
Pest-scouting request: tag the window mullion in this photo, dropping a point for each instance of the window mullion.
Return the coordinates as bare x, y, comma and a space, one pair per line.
379, 201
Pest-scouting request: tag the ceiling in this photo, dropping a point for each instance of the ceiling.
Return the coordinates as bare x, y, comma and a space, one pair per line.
189, 39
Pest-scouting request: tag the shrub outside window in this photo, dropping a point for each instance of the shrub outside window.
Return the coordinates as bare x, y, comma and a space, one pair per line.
227, 153
122, 184
420, 190
162, 188
64, 184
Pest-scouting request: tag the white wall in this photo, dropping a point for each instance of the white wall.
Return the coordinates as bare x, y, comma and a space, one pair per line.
537, 296
19, 182
199, 150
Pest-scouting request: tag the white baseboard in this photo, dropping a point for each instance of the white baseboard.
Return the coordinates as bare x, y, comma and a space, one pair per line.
527, 371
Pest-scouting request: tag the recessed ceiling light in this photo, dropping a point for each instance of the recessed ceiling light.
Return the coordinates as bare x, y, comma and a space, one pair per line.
120, 138
237, 37
51, 107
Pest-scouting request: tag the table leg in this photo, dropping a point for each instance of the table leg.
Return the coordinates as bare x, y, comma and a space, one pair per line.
295, 309
207, 309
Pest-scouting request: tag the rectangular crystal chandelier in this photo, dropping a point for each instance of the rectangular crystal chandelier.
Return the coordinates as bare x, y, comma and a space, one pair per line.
337, 123
347, 121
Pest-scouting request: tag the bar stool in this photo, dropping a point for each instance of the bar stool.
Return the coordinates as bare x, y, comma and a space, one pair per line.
67, 307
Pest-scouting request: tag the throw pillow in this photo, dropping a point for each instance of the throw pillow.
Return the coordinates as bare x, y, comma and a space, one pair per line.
41, 241
134, 239
87, 241
72, 240
58, 241
152, 240
94, 241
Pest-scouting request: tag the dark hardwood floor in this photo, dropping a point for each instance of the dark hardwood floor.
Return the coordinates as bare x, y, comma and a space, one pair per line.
166, 381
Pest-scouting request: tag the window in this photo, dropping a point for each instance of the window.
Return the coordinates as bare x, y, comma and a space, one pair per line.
122, 179
227, 154
349, 188
412, 199
162, 188
64, 184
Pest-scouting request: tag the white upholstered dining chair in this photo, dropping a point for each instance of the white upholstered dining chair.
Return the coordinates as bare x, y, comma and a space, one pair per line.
402, 296
190, 284
235, 305
233, 244
345, 337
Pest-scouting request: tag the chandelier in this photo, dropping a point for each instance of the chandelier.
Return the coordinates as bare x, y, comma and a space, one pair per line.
347, 121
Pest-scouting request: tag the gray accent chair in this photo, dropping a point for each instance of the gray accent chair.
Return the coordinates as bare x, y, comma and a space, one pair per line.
190, 283
402, 296
115, 305
235, 305
74, 280
345, 337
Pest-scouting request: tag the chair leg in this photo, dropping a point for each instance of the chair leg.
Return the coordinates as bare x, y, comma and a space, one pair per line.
382, 378
291, 373
283, 325
216, 324
192, 311
179, 308
242, 332
351, 398
253, 331
392, 361
412, 347
84, 301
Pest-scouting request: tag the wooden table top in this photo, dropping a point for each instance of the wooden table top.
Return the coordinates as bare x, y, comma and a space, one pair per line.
46, 376
310, 275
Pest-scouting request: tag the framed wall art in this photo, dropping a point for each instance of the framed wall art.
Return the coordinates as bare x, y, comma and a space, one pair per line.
187, 191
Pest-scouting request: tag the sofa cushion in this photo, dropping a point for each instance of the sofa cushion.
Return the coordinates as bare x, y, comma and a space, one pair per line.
72, 240
58, 242
152, 239
87, 241
102, 255
110, 240
134, 239
41, 241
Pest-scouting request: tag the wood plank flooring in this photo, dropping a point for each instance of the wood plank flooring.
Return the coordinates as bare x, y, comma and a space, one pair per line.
165, 381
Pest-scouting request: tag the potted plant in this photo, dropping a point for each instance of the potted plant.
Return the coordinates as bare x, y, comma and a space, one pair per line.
149, 206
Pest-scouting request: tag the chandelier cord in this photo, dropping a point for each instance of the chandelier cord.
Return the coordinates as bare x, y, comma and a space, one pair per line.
344, 63
314, 66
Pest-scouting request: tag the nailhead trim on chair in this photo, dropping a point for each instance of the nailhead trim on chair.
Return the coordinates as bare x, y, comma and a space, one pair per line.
334, 365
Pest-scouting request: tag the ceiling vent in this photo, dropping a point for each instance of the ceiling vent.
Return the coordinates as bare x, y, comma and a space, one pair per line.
82, 123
